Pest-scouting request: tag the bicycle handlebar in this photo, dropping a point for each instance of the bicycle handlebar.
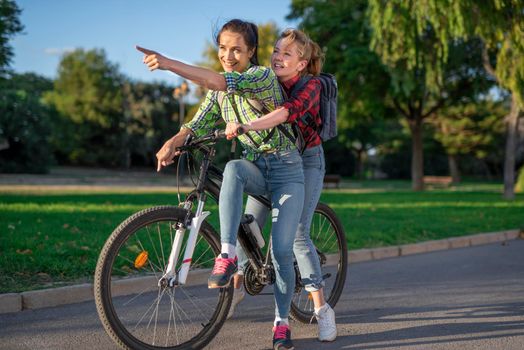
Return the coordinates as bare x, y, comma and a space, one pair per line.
194, 142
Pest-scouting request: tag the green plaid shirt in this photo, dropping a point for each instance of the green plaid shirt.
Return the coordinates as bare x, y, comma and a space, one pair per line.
256, 83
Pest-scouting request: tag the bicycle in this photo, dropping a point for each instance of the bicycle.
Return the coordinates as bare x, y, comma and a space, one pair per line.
150, 279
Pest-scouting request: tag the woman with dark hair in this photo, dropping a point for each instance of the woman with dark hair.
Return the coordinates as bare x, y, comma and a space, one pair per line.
271, 165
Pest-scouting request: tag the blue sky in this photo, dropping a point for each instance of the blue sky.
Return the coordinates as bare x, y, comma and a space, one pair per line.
177, 28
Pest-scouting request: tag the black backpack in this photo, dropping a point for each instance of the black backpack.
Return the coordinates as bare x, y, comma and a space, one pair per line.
327, 110
328, 104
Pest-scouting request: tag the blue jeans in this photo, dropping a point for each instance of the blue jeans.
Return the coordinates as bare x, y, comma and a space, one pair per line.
305, 252
279, 176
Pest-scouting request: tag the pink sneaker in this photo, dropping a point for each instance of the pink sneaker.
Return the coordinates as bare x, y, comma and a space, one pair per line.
282, 337
223, 271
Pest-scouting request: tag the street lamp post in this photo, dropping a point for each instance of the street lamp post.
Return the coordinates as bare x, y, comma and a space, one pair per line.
179, 93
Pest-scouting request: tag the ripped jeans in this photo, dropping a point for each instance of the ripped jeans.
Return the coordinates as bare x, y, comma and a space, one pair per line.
303, 248
280, 177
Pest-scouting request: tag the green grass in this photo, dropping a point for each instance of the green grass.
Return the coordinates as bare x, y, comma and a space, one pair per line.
50, 238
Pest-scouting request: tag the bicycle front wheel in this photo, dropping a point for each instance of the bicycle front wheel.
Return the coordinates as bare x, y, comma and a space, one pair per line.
329, 239
136, 312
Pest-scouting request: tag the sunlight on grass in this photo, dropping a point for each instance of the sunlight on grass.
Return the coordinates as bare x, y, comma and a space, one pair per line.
49, 238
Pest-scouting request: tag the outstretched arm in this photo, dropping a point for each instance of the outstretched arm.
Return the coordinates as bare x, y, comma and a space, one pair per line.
268, 121
200, 76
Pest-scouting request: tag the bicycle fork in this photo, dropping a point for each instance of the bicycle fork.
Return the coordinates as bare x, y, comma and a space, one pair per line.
171, 277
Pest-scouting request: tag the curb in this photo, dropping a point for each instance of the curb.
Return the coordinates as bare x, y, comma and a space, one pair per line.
15, 302
362, 255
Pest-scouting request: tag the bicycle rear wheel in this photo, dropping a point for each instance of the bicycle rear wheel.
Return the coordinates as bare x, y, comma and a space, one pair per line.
136, 312
329, 239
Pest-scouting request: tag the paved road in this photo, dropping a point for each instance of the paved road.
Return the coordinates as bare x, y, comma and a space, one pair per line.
471, 298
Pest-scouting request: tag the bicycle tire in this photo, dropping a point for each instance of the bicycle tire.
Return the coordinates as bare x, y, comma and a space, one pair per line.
137, 313
330, 241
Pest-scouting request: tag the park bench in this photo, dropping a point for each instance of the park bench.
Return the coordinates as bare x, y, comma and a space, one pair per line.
443, 181
332, 180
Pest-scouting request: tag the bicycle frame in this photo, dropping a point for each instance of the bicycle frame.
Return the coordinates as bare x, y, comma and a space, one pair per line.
209, 174
140, 315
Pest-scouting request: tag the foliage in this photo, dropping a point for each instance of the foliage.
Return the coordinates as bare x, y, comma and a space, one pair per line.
430, 69
474, 128
499, 24
151, 117
9, 26
378, 86
267, 34
88, 94
519, 186
25, 125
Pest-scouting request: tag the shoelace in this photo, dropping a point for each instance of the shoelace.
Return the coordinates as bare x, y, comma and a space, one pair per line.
221, 265
281, 332
315, 315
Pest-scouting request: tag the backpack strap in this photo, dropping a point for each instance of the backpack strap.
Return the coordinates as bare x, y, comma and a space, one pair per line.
220, 100
237, 114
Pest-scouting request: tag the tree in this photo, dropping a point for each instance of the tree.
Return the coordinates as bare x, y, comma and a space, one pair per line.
150, 118
468, 129
88, 95
342, 30
9, 26
424, 77
498, 23
25, 125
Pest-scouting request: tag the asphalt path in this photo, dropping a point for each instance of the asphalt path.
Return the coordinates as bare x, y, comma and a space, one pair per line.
470, 298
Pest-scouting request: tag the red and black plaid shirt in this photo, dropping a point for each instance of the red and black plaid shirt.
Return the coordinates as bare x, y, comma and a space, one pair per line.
307, 99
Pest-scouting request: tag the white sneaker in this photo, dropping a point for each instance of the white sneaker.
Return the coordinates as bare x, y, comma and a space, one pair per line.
238, 295
327, 328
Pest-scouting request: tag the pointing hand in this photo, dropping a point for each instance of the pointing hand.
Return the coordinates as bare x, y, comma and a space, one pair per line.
153, 59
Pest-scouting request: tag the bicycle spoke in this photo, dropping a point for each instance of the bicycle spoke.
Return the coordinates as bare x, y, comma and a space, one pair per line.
159, 316
192, 300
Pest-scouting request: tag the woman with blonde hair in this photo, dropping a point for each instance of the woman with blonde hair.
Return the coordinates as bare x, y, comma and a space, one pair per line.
296, 61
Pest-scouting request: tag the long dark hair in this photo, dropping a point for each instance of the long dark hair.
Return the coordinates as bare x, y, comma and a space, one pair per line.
249, 32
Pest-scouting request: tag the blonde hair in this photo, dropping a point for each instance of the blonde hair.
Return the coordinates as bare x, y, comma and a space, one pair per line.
307, 49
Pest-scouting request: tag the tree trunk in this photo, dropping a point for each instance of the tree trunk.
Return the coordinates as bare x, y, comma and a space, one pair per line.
417, 154
511, 121
454, 170
361, 160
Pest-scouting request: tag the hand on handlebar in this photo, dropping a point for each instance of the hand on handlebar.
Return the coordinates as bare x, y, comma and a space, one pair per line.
235, 129
170, 150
